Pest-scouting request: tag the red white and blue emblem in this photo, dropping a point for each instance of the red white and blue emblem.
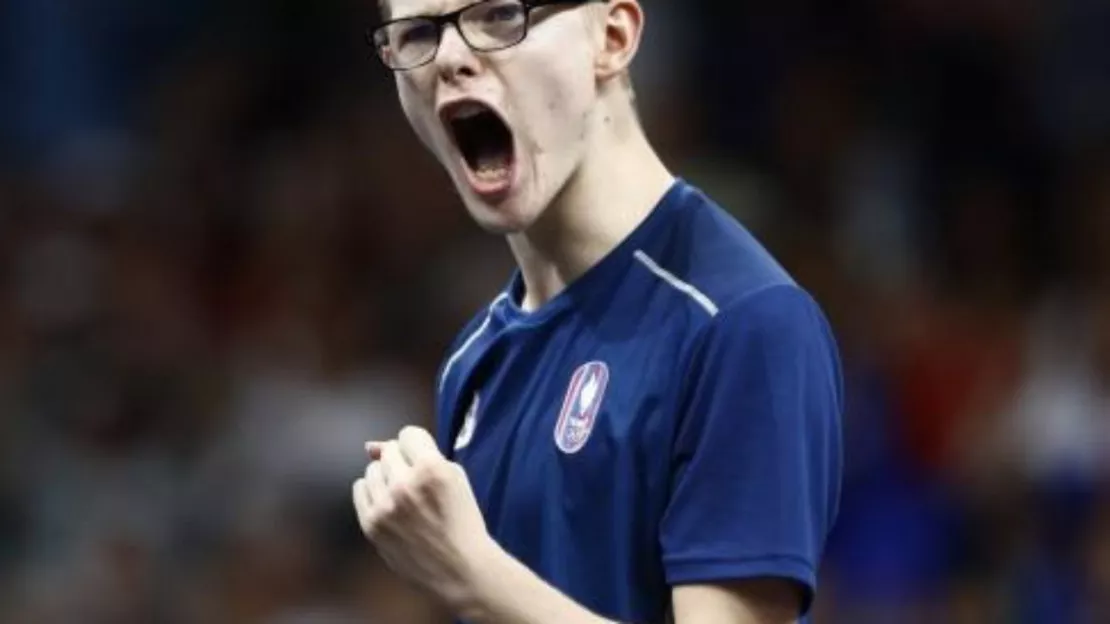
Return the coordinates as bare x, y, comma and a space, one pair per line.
580, 407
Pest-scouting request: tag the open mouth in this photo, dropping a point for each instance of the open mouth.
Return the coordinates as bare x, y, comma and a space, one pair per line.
485, 141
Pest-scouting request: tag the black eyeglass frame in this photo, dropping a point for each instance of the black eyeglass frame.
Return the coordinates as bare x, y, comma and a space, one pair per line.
441, 21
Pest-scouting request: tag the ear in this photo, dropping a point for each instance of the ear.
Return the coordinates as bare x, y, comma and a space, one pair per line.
622, 29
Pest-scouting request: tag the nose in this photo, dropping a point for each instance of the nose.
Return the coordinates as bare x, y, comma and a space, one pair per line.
455, 59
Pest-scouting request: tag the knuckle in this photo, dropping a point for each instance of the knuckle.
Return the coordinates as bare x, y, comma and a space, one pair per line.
369, 523
372, 529
428, 476
401, 494
383, 513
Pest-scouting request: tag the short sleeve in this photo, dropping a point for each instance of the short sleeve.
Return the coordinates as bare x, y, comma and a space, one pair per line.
756, 463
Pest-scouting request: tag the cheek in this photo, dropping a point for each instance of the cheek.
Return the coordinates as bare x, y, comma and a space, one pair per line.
567, 72
550, 79
417, 111
556, 98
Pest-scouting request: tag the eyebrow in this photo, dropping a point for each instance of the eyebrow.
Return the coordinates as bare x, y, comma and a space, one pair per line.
393, 15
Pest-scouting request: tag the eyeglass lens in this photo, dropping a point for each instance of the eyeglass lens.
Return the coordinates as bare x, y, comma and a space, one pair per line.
485, 26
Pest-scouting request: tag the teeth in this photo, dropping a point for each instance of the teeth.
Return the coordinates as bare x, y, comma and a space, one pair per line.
492, 170
492, 175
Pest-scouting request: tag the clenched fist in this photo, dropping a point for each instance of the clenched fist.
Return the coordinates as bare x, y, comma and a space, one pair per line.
419, 511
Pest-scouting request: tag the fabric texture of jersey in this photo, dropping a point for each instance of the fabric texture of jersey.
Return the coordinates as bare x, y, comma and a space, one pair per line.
672, 417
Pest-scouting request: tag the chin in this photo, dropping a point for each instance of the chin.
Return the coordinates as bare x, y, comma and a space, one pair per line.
504, 219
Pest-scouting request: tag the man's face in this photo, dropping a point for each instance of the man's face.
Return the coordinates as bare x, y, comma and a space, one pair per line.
509, 126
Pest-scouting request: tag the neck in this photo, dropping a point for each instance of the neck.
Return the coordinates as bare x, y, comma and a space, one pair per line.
619, 182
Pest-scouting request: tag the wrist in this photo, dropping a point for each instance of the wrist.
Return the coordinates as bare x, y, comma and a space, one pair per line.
485, 562
500, 590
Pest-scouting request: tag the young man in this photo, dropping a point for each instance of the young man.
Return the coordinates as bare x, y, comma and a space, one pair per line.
645, 424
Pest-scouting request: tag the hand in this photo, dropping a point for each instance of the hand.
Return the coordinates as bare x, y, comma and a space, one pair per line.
419, 511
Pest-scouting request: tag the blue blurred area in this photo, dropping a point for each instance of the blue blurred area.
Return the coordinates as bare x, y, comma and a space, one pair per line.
225, 262
75, 67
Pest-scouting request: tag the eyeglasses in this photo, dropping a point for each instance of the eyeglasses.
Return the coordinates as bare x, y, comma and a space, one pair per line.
485, 26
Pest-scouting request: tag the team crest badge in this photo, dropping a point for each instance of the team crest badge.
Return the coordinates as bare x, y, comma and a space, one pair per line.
466, 431
581, 406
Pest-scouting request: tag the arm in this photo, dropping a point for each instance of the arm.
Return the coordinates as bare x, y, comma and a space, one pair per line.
394, 599
757, 601
755, 462
504, 591
419, 511
483, 584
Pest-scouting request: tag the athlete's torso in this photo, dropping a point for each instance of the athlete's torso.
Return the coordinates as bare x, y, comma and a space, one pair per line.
565, 418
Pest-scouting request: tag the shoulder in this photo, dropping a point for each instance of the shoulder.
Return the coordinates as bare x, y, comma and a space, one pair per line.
708, 260
471, 332
476, 324
712, 262
774, 342
783, 312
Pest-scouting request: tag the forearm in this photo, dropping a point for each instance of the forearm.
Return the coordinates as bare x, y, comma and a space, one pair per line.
505, 591
398, 600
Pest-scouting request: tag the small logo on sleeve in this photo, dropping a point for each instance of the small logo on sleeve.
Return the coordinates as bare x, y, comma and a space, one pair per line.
580, 406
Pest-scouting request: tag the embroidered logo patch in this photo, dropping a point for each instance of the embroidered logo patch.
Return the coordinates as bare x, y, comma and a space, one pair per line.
466, 432
580, 406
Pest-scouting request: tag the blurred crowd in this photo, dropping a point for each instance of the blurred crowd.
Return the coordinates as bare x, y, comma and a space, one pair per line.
225, 262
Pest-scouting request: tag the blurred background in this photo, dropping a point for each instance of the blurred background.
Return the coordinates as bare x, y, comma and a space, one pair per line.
225, 262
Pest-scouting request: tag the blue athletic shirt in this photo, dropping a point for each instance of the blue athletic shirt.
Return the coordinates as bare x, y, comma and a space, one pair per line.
672, 417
